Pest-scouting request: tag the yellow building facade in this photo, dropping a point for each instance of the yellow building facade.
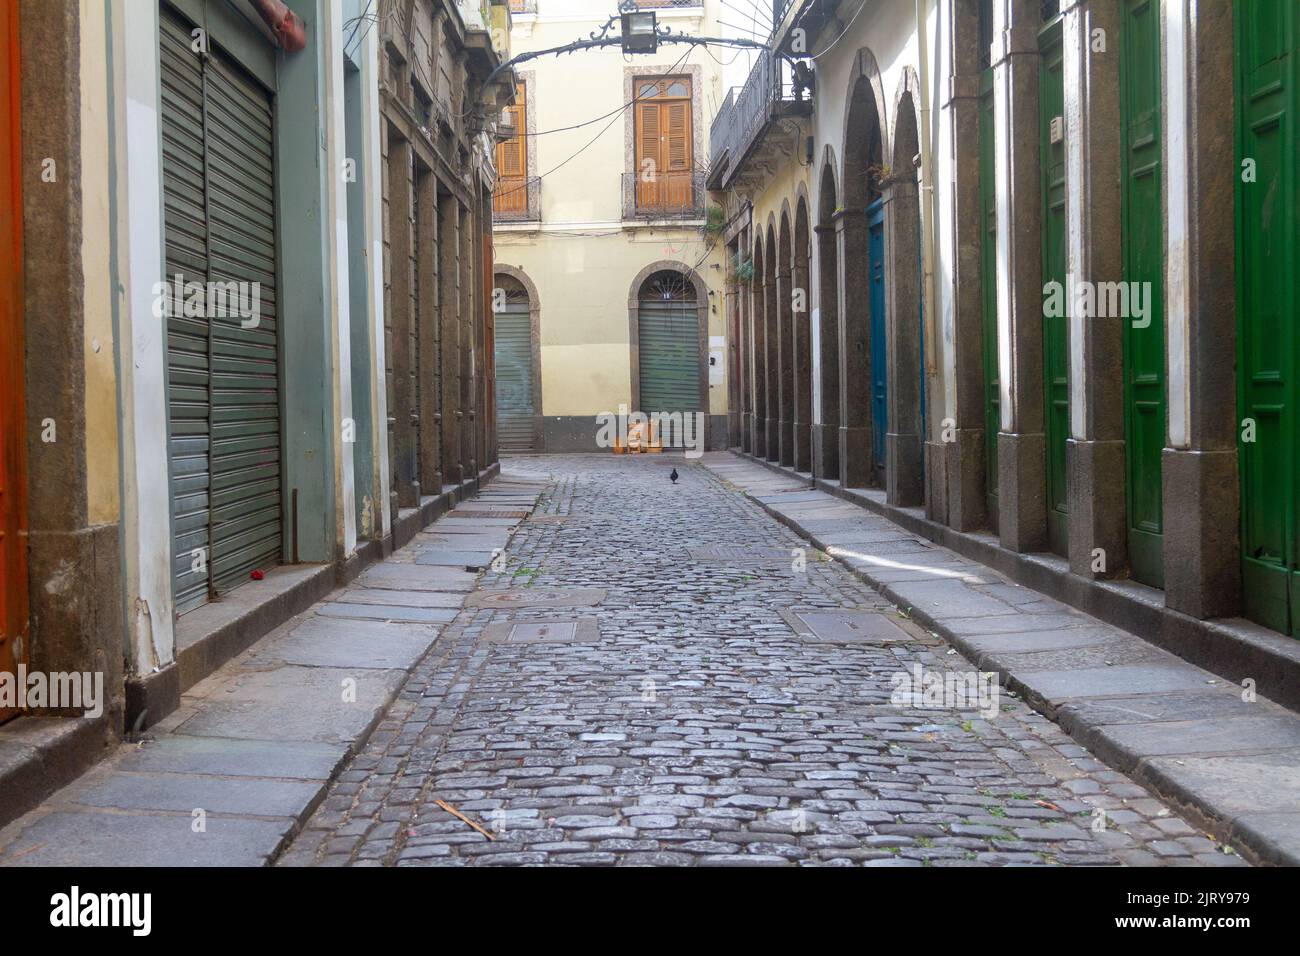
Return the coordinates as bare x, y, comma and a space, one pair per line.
609, 264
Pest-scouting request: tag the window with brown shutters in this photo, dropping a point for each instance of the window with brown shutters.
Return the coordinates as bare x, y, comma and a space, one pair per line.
664, 148
510, 200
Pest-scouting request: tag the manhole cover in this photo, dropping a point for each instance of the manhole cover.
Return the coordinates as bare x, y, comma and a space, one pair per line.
537, 597
844, 627
739, 554
559, 630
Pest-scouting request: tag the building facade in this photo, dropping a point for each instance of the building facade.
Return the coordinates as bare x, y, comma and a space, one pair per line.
608, 267
203, 324
1020, 274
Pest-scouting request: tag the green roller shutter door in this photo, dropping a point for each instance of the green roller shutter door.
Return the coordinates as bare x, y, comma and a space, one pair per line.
669, 357
223, 370
1143, 250
1056, 368
1268, 345
516, 416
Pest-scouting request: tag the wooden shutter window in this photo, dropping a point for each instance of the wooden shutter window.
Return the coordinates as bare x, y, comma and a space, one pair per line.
511, 195
664, 154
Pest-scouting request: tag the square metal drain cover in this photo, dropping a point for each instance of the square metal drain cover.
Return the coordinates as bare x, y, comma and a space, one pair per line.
739, 554
558, 630
848, 626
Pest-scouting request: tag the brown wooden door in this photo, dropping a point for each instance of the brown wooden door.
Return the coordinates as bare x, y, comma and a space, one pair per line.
13, 508
664, 148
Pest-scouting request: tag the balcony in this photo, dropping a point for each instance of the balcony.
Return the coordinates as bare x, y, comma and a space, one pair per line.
745, 134
811, 16
517, 200
523, 6
663, 196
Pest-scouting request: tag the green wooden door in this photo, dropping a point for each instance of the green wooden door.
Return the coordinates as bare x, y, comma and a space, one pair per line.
668, 356
989, 293
513, 347
1143, 251
1056, 358
1268, 261
222, 364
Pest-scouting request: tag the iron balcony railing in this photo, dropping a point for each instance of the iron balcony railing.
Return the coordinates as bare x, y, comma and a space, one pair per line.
746, 113
663, 195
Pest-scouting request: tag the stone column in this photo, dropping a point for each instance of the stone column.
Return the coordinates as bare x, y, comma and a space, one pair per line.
400, 204
958, 492
772, 341
856, 465
1022, 446
449, 295
826, 433
802, 359
1201, 488
785, 360
430, 400
758, 327
903, 474
1095, 458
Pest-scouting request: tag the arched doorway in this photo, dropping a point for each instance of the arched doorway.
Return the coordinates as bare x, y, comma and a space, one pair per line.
803, 391
905, 474
670, 344
863, 377
516, 347
826, 435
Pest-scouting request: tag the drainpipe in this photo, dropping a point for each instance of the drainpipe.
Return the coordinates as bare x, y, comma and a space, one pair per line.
927, 207
287, 26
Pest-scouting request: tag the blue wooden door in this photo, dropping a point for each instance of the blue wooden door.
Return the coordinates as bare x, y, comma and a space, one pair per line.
876, 270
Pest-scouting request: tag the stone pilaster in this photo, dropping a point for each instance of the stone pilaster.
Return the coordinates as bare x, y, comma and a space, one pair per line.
955, 469
1095, 451
1201, 484
826, 433
1022, 508
856, 466
772, 358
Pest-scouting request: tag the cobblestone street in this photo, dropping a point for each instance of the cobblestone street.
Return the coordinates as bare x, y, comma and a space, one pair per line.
679, 720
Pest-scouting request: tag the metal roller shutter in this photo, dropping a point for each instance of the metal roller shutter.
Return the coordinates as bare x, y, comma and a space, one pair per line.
223, 377
669, 357
516, 424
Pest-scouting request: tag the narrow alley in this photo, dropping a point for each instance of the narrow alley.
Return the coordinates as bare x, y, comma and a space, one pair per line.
628, 689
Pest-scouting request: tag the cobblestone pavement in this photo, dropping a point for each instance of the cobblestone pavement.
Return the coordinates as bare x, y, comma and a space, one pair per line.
691, 725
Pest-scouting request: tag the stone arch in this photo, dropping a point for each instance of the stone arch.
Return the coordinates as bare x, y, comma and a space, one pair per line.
865, 126
802, 311
826, 436
861, 178
904, 472
519, 276
701, 318
785, 327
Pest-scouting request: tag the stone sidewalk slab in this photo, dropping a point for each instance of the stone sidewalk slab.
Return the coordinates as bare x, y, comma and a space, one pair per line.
255, 745
81, 838
1174, 727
